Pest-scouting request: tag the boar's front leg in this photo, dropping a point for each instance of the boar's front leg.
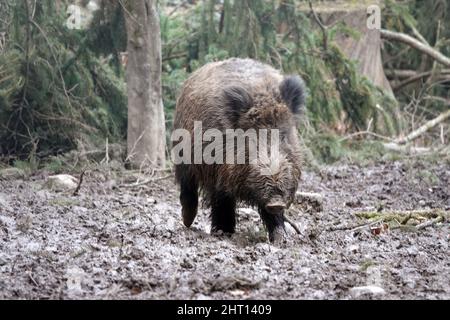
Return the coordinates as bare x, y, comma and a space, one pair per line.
274, 223
189, 200
223, 212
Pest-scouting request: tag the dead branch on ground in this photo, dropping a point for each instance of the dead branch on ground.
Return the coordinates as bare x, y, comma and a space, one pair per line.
134, 185
421, 130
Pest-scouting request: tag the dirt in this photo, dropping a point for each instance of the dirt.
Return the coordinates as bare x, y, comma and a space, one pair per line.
112, 242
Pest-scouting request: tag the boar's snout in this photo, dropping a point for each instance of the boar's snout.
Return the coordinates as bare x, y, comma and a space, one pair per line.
276, 206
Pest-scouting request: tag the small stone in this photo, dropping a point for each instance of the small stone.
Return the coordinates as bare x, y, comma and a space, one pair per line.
186, 264
62, 182
137, 254
75, 277
202, 297
309, 202
357, 292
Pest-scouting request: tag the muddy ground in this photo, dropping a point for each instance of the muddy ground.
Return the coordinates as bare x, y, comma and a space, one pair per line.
129, 243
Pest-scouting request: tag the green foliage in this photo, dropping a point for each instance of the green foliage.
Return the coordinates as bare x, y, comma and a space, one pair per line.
59, 86
327, 147
53, 88
55, 165
360, 99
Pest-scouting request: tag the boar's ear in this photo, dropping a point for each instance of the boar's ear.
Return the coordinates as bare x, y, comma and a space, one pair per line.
292, 90
237, 101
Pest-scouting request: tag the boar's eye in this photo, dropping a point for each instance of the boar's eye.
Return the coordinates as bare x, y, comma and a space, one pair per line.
292, 90
237, 102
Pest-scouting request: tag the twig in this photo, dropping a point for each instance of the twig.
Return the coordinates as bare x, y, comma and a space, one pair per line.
355, 227
32, 279
406, 219
293, 225
77, 190
430, 223
128, 13
172, 12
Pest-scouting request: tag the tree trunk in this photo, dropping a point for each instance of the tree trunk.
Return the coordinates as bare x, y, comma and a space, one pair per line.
146, 124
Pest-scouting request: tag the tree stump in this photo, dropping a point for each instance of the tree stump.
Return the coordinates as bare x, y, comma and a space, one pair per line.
366, 50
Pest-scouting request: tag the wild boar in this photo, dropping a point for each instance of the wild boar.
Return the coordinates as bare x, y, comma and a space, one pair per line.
240, 94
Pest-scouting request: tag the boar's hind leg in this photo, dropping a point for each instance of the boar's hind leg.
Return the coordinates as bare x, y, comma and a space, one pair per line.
274, 224
189, 201
223, 212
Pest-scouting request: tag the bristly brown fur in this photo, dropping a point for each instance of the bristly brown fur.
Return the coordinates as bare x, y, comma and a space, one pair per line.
245, 94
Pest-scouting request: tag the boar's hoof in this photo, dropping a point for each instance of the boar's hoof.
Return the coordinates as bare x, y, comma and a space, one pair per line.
188, 217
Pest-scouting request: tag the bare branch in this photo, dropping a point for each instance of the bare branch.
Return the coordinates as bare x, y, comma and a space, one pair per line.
418, 77
427, 126
416, 44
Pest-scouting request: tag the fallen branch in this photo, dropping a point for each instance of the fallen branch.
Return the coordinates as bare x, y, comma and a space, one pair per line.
400, 218
133, 185
416, 44
362, 133
400, 215
427, 126
355, 227
430, 223
406, 148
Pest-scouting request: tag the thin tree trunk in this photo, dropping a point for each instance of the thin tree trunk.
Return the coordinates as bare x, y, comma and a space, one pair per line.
146, 124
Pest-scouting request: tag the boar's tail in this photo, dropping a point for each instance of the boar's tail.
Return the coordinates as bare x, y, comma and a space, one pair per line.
293, 93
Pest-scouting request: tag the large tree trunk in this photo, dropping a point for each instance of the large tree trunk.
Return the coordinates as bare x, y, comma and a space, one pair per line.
146, 124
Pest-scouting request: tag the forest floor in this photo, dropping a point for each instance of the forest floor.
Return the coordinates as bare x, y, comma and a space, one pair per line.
113, 242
